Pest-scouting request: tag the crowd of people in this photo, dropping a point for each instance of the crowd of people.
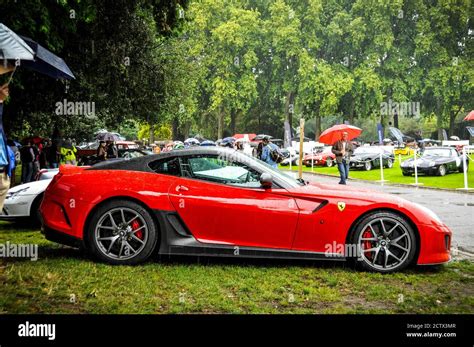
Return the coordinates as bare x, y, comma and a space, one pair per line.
37, 154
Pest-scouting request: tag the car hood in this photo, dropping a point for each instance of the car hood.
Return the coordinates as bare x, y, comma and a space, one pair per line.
31, 188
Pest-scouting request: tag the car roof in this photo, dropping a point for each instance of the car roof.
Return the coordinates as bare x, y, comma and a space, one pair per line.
141, 163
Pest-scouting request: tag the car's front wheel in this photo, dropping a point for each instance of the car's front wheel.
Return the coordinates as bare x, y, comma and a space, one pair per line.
121, 232
442, 170
385, 242
329, 162
368, 165
389, 164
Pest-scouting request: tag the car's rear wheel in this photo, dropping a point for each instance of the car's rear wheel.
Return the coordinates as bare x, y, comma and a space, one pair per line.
368, 165
121, 232
35, 216
442, 170
385, 242
329, 162
461, 168
389, 164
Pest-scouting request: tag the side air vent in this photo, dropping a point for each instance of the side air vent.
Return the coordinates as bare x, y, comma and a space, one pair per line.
178, 225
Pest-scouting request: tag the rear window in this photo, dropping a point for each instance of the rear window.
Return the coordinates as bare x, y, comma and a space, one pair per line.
168, 166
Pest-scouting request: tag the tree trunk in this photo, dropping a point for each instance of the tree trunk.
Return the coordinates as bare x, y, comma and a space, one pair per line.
352, 111
174, 129
289, 108
152, 133
220, 123
317, 128
439, 119
233, 117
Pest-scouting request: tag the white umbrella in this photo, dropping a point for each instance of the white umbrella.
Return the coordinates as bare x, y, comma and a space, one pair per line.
12, 46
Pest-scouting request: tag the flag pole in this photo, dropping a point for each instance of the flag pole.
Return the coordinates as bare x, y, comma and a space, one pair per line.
300, 168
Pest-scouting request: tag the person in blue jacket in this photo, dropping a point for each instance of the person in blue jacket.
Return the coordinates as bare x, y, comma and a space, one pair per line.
268, 147
7, 157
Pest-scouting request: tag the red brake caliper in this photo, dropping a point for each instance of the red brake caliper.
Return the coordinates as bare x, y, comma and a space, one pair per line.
135, 226
367, 244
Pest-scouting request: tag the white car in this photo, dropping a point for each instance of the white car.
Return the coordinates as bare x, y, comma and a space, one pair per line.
23, 201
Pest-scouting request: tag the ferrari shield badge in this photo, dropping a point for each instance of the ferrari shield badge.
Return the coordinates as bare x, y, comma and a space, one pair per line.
341, 205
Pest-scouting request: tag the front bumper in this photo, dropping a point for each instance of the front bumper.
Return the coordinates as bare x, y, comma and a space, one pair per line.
17, 207
420, 170
435, 244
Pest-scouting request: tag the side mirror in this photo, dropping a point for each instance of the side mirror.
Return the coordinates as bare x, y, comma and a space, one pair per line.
266, 180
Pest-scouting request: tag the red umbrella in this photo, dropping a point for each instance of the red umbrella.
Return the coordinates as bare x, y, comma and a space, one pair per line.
470, 116
334, 133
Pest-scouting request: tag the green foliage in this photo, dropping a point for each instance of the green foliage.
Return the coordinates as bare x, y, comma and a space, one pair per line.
217, 67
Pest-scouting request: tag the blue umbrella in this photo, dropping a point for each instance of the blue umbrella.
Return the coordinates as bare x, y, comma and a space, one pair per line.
227, 140
208, 143
46, 62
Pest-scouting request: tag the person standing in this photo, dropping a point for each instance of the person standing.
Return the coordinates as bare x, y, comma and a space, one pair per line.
101, 152
7, 157
27, 157
343, 150
112, 151
68, 153
267, 150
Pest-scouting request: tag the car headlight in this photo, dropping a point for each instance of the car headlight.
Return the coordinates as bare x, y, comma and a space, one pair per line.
11, 195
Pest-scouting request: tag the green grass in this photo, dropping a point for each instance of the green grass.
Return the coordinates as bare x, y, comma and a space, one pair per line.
394, 175
192, 285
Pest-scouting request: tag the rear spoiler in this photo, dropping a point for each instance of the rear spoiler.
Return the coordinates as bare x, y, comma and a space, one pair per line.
68, 169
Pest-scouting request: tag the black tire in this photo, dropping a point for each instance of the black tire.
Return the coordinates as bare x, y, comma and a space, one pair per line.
442, 170
368, 165
406, 173
402, 229
461, 168
389, 164
130, 210
35, 216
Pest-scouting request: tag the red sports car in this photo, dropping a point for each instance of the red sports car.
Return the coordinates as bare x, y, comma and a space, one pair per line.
219, 202
323, 157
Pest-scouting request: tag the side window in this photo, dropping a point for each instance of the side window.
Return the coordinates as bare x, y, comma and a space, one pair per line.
218, 170
169, 166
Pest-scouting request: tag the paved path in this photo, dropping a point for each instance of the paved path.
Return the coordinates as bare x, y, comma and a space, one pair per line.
454, 208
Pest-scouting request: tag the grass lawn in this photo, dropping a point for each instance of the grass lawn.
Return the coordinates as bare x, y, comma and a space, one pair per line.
394, 175
65, 281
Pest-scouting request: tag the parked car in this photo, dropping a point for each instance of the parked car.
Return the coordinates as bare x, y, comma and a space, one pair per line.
213, 201
23, 201
368, 157
404, 151
290, 155
435, 161
321, 157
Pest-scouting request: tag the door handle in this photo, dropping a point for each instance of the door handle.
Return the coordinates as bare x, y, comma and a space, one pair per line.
181, 188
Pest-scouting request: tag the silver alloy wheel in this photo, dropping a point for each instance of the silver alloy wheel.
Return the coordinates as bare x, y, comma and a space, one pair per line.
389, 244
115, 235
368, 165
442, 170
389, 163
329, 162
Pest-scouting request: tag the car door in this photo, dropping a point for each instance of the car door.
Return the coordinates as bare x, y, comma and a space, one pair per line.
221, 201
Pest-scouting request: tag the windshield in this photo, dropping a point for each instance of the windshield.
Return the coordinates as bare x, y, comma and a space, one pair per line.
365, 150
439, 152
288, 179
